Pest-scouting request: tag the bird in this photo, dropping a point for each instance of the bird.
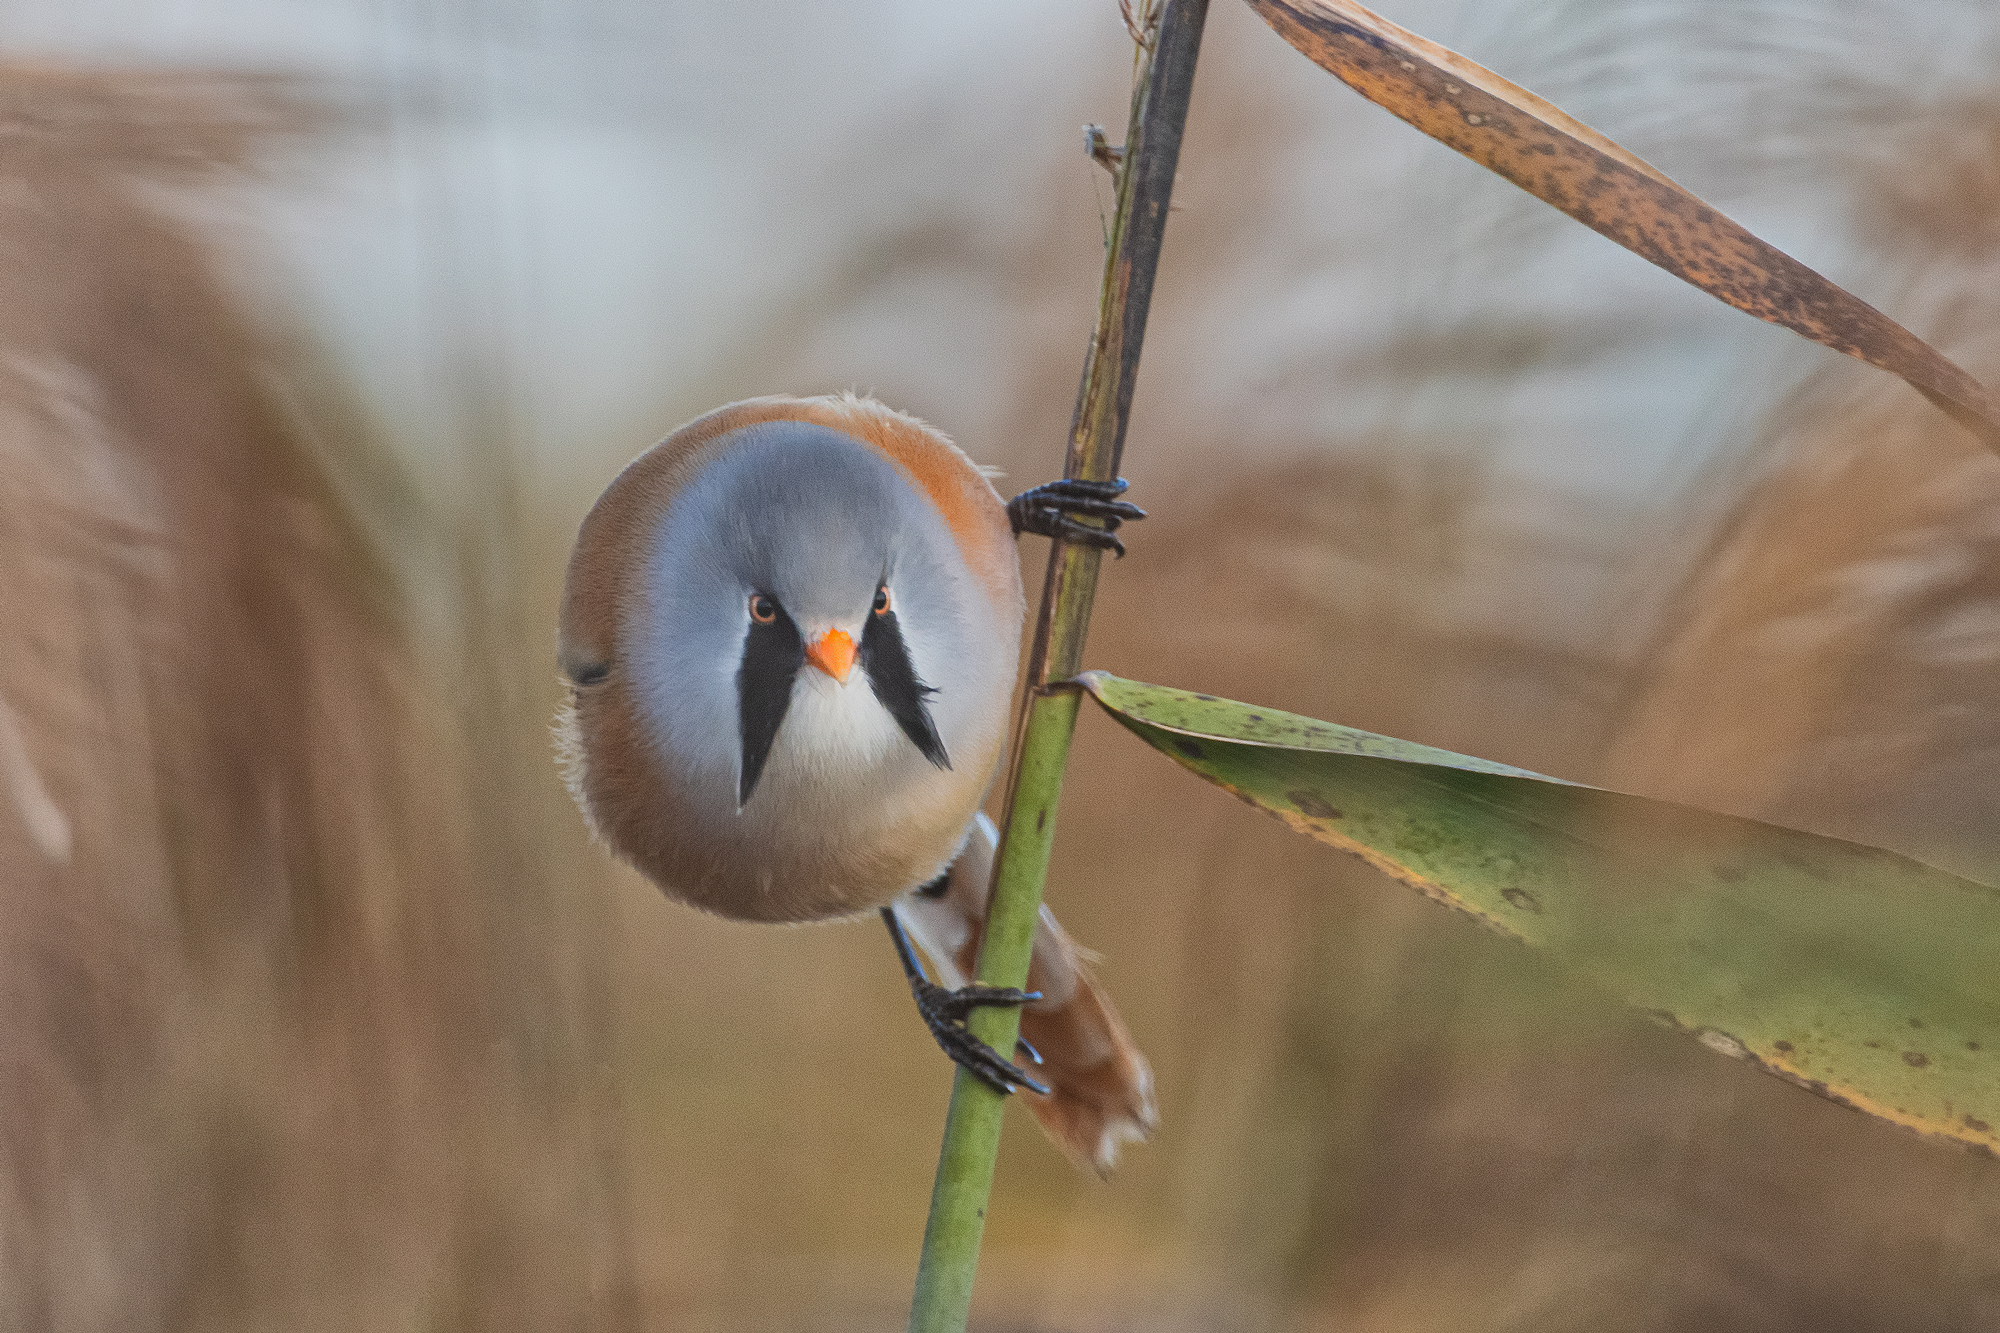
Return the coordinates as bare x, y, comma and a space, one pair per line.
790, 633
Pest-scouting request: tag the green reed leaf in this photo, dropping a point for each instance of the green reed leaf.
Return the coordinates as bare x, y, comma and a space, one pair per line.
1860, 974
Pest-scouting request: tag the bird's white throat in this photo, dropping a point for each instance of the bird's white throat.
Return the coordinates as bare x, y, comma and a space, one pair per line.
837, 733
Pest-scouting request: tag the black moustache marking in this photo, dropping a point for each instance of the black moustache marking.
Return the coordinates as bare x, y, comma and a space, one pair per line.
772, 655
896, 686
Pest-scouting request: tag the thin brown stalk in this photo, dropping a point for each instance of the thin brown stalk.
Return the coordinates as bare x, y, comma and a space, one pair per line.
1048, 716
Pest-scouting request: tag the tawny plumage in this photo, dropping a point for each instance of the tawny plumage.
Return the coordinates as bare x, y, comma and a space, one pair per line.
791, 631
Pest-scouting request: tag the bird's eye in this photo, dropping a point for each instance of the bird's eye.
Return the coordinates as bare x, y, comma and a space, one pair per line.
763, 608
882, 600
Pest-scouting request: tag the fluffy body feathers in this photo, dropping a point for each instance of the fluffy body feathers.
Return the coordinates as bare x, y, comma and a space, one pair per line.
814, 507
726, 736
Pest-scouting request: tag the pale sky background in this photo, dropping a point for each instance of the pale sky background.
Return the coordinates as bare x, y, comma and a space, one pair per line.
604, 207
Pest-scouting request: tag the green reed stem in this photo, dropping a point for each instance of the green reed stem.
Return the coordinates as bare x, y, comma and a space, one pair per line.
950, 1256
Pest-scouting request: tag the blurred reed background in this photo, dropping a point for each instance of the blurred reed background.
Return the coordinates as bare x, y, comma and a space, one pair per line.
324, 324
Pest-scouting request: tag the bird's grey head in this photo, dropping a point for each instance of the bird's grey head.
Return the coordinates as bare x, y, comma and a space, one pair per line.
793, 536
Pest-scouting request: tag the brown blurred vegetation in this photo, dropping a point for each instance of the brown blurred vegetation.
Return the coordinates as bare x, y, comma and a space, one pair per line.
295, 1035
320, 1012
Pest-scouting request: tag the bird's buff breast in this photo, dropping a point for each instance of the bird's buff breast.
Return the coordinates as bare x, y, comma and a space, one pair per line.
834, 828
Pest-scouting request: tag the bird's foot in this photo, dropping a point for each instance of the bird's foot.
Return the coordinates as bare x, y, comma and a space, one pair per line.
944, 1014
1052, 510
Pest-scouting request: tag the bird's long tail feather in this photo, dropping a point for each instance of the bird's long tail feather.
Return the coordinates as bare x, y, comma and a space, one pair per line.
1100, 1086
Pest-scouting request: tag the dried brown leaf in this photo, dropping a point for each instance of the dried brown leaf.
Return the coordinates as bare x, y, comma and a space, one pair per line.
1563, 162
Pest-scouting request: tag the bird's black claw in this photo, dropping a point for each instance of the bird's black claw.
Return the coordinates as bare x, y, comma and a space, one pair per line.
1051, 510
944, 1013
955, 1005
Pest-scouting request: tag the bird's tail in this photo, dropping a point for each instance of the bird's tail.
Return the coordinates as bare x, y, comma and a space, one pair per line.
1100, 1086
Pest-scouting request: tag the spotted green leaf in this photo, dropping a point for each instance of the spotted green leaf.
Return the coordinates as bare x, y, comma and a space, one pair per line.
1858, 973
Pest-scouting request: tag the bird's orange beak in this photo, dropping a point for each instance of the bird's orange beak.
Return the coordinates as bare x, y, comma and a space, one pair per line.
833, 653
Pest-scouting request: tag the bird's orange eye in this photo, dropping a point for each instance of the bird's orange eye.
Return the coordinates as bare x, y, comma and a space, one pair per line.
882, 600
763, 609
